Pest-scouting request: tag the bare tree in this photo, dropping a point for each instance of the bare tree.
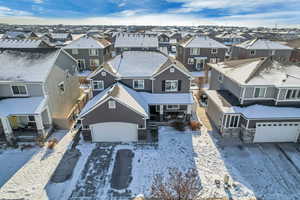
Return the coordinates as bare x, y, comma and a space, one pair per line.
177, 186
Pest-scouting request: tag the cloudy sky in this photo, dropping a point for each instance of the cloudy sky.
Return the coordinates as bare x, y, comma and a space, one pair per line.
283, 13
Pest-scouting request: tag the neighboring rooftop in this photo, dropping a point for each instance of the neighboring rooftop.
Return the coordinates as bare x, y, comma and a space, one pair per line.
86, 42
262, 44
124, 40
201, 42
261, 71
26, 66
24, 43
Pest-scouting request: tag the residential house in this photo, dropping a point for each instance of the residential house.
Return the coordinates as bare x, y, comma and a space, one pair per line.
90, 53
260, 48
61, 37
38, 91
295, 44
24, 44
19, 35
256, 99
135, 42
195, 52
130, 91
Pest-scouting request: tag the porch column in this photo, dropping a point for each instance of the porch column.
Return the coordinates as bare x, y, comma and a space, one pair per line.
161, 112
7, 129
188, 112
39, 124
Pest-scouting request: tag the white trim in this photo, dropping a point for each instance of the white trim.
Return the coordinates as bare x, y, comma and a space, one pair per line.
94, 49
264, 95
177, 106
97, 72
172, 90
93, 59
19, 85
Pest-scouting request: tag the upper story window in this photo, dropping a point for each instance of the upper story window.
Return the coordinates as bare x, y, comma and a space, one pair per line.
61, 87
75, 51
111, 104
252, 52
94, 62
171, 85
273, 52
93, 52
19, 90
214, 51
292, 94
195, 51
259, 92
138, 84
98, 85
172, 107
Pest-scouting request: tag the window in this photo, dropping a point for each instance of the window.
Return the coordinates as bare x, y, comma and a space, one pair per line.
191, 61
200, 64
61, 87
81, 64
172, 107
172, 70
252, 53
111, 104
98, 85
31, 118
213, 60
221, 77
171, 85
259, 92
292, 94
93, 52
273, 52
75, 51
138, 84
103, 73
19, 90
94, 62
195, 51
214, 51
232, 121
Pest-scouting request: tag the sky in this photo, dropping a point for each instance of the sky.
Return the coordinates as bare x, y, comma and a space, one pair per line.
251, 13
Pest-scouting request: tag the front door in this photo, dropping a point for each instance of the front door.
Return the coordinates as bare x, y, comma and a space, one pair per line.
200, 64
81, 65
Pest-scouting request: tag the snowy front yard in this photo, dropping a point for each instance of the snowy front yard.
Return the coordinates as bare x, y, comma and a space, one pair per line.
262, 171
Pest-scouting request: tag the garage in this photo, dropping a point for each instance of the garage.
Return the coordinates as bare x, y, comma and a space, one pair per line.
277, 132
114, 132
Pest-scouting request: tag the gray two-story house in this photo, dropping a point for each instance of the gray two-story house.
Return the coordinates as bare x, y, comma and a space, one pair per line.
196, 51
38, 91
255, 99
132, 89
256, 48
89, 52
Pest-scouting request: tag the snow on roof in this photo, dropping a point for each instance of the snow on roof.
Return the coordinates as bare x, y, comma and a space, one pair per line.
202, 42
178, 98
262, 44
21, 106
121, 93
60, 35
26, 43
261, 111
86, 42
274, 73
136, 40
137, 63
26, 66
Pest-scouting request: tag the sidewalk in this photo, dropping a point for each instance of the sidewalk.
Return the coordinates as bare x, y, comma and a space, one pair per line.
30, 181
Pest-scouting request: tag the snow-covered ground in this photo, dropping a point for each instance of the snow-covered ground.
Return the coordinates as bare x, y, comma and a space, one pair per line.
29, 181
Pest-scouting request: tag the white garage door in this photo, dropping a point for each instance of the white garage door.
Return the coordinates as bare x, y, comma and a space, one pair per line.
114, 132
277, 132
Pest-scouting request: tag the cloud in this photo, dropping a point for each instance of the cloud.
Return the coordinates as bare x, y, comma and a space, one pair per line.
5, 11
38, 1
129, 13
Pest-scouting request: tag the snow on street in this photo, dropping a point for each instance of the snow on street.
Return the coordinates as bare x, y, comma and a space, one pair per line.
30, 181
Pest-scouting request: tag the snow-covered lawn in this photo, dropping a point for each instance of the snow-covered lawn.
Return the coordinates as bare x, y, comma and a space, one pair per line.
12, 160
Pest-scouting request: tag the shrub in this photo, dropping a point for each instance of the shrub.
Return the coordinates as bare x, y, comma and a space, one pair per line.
178, 125
195, 125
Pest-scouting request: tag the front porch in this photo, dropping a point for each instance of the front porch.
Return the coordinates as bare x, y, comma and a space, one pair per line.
166, 113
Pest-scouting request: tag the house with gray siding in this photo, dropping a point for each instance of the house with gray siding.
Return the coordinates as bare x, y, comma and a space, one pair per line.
196, 51
38, 91
256, 99
89, 52
256, 48
133, 89
135, 42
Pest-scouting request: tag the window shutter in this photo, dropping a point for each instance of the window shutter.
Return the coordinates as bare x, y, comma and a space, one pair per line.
179, 85
163, 87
